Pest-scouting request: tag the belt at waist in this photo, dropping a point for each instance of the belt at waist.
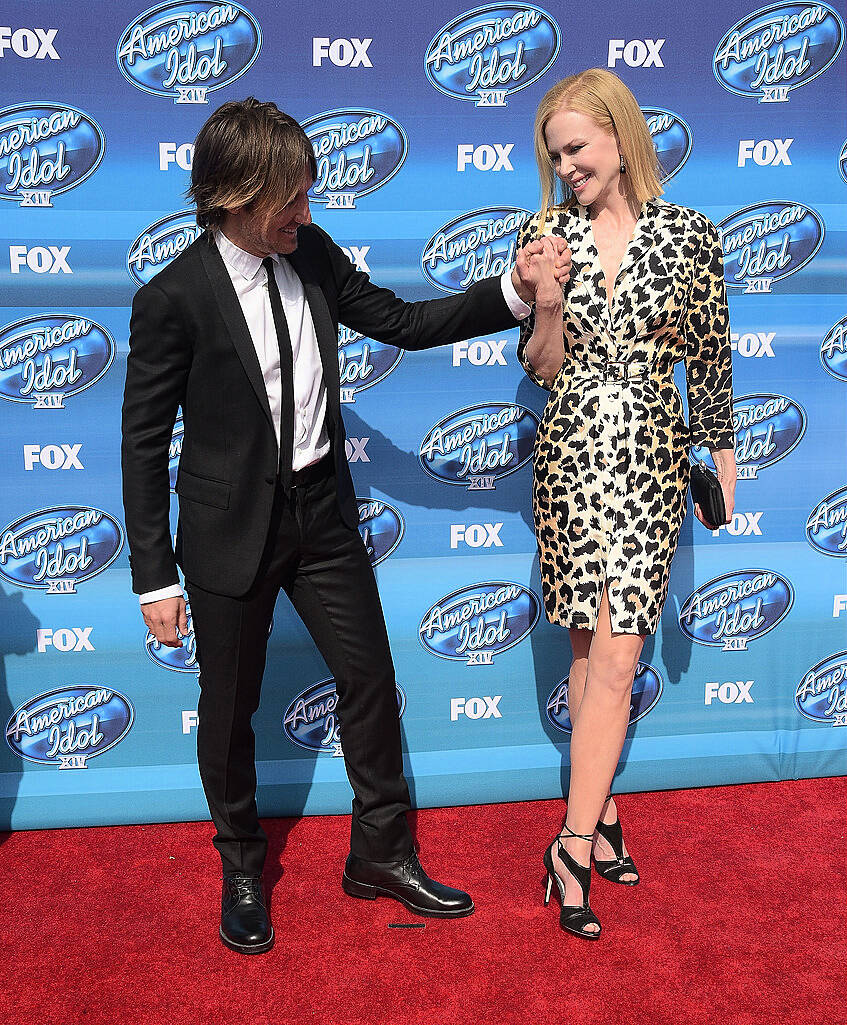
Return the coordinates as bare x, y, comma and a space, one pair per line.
314, 472
620, 371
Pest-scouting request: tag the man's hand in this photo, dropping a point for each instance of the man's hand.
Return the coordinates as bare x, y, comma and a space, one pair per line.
164, 618
530, 270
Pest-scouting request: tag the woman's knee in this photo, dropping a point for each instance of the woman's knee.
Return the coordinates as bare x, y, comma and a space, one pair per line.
613, 671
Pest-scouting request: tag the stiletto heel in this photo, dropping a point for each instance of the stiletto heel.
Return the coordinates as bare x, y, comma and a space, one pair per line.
622, 864
574, 918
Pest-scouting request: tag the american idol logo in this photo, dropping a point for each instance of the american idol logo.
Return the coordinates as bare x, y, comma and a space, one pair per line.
46, 149
768, 242
175, 450
55, 549
68, 726
826, 526
478, 445
491, 52
382, 528
47, 359
834, 350
822, 693
311, 720
158, 244
180, 660
357, 152
475, 623
186, 50
646, 690
736, 608
363, 362
671, 137
480, 244
775, 50
842, 161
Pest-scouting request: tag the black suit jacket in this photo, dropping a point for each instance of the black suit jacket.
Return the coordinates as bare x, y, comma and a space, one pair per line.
190, 347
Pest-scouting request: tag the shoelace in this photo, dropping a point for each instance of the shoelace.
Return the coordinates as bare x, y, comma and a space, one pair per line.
244, 886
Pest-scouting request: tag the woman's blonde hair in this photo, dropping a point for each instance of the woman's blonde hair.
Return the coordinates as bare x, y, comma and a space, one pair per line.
603, 97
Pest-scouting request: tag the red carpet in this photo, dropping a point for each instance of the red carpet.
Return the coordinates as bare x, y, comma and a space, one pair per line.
739, 919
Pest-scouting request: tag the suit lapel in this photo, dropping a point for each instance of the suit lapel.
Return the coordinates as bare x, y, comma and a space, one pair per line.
325, 330
233, 316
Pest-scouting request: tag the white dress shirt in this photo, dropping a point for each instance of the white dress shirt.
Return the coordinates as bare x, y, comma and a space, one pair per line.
311, 441
250, 281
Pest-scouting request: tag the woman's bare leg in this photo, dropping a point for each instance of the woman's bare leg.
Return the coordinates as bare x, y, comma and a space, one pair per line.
581, 646
600, 717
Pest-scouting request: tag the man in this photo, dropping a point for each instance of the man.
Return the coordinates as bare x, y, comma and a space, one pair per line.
240, 330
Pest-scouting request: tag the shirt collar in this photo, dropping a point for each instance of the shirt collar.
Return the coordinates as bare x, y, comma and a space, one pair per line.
246, 264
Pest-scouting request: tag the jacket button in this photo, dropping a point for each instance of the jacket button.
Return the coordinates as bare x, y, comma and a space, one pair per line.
269, 480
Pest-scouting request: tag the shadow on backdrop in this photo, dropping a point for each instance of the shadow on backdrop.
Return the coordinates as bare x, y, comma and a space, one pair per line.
676, 647
407, 482
18, 628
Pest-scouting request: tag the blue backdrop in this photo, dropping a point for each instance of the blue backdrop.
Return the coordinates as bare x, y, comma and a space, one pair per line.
422, 125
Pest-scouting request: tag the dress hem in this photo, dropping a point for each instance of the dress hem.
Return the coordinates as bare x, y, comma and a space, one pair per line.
571, 622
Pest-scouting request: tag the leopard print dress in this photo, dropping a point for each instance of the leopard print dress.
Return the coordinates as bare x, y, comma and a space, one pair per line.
611, 460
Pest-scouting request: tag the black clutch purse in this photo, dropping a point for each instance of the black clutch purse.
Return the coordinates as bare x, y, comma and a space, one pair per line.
706, 492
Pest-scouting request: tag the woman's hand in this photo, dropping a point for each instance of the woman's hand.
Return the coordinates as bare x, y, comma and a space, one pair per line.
724, 460
534, 270
545, 348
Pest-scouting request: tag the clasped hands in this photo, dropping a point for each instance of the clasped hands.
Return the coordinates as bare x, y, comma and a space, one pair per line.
541, 269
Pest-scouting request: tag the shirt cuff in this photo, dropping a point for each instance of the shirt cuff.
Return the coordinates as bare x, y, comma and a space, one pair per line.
517, 307
171, 591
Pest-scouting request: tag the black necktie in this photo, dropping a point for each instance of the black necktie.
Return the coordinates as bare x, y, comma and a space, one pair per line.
286, 374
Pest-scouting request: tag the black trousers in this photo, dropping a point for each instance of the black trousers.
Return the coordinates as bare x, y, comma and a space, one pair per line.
323, 567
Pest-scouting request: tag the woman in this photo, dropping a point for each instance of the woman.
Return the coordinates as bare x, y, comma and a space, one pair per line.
611, 455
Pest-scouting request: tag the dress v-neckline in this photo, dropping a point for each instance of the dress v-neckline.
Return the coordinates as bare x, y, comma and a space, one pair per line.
609, 302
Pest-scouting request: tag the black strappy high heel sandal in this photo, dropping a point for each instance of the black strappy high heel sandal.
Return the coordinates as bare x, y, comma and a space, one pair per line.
622, 864
574, 918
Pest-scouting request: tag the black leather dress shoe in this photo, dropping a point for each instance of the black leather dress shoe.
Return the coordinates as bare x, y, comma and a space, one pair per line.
407, 882
245, 925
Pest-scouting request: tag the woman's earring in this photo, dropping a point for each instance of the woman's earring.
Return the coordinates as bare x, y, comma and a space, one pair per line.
623, 165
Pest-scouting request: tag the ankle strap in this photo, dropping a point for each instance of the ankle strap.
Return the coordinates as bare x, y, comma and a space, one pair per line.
567, 831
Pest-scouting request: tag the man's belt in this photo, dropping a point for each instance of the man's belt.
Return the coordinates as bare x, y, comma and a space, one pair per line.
314, 473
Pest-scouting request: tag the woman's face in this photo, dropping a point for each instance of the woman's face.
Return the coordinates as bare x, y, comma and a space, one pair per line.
584, 156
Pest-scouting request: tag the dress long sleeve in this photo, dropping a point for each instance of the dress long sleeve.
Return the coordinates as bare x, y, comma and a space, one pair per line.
708, 358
